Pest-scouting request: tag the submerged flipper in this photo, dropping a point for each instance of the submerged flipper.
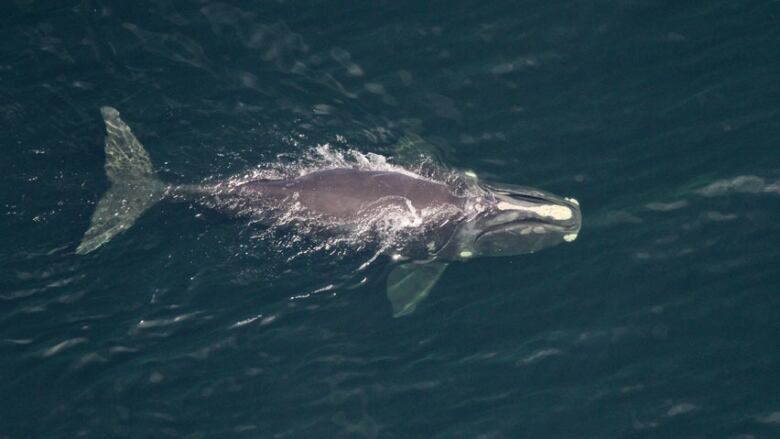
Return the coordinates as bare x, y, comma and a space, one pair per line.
408, 284
134, 185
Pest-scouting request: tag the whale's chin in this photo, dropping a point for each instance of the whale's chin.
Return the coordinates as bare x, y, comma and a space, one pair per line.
522, 238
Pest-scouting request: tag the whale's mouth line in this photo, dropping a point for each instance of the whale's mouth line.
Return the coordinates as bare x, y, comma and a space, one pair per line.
530, 224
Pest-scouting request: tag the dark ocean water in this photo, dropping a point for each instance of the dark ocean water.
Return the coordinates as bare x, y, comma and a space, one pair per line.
661, 320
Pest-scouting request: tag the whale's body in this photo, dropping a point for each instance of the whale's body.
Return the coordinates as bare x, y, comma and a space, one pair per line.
343, 200
340, 194
345, 192
440, 224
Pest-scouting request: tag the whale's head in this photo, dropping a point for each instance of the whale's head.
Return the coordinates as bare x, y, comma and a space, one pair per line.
517, 220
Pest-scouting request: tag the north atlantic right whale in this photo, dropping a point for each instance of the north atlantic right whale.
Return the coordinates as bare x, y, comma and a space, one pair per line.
432, 223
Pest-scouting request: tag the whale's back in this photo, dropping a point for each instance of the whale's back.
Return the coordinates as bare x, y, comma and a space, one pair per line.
346, 192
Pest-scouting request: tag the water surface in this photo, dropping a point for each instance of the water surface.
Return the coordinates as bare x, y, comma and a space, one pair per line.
661, 320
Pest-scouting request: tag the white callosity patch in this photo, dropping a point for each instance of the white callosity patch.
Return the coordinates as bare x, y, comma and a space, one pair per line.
553, 211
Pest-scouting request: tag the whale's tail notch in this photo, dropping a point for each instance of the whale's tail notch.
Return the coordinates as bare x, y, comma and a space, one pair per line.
134, 184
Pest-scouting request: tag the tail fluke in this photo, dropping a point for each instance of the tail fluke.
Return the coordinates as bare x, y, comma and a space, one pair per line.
134, 185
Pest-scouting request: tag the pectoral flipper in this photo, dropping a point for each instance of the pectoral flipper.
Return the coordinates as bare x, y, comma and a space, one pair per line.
408, 284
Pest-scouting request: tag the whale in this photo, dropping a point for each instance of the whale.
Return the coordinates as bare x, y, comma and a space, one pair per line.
433, 224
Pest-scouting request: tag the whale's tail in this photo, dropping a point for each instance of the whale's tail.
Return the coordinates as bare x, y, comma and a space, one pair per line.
134, 185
